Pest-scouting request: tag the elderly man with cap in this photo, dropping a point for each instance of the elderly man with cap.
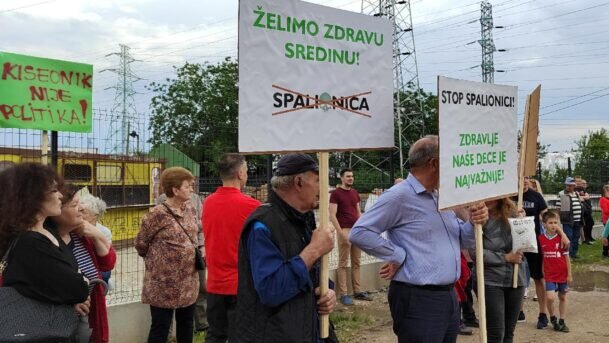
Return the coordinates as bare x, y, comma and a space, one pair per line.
278, 293
571, 214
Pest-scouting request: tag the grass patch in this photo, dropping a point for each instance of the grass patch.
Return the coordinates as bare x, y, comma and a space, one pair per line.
348, 324
199, 337
589, 255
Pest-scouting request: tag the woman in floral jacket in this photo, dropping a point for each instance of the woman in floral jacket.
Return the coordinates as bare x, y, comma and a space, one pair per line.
171, 282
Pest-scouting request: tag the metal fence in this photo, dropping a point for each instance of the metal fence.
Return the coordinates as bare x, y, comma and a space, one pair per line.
595, 172
125, 174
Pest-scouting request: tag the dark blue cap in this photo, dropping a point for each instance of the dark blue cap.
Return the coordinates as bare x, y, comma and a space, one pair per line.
292, 164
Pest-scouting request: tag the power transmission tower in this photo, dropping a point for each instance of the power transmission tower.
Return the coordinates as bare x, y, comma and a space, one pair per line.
125, 121
405, 68
486, 42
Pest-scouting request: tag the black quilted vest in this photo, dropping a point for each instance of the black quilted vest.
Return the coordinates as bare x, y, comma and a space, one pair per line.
294, 321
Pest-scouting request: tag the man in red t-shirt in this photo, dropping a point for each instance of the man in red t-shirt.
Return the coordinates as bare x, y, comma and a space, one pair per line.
344, 212
224, 213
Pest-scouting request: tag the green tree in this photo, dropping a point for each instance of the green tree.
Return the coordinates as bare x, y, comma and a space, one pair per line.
593, 159
420, 118
372, 169
542, 149
197, 111
553, 182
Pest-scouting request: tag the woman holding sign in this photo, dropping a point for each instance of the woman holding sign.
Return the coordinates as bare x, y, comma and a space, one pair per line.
502, 300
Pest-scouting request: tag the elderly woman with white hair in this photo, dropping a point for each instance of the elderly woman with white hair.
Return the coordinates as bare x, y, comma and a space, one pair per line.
94, 208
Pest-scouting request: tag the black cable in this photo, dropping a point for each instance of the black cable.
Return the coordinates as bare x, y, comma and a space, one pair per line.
576, 104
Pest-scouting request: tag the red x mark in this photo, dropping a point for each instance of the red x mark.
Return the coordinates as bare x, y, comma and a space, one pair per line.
317, 102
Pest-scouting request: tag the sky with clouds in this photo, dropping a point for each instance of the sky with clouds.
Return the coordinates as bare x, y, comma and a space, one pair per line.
561, 44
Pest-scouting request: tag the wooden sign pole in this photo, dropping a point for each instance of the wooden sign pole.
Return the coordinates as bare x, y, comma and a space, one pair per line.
44, 153
324, 219
523, 153
480, 283
528, 150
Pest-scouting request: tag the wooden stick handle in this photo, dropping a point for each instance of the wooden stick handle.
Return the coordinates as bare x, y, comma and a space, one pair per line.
44, 147
480, 283
324, 218
523, 154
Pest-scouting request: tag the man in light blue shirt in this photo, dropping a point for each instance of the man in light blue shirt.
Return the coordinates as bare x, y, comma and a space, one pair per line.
422, 249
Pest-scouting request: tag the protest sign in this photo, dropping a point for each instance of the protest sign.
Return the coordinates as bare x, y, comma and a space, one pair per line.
478, 153
313, 78
523, 234
46, 94
478, 141
528, 149
530, 132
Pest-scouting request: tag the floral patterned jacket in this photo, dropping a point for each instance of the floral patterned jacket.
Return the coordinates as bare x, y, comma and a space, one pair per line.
170, 280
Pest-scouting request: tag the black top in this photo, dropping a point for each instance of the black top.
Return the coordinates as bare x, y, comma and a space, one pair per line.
533, 204
40, 270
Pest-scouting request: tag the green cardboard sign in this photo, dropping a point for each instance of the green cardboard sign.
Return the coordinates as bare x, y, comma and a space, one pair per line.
45, 94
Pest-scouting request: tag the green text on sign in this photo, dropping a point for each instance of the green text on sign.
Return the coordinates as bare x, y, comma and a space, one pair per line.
45, 94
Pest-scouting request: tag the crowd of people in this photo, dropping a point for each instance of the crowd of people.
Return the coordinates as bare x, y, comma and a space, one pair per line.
242, 271
56, 256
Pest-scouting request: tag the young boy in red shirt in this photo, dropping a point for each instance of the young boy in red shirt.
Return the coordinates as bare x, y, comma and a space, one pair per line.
556, 269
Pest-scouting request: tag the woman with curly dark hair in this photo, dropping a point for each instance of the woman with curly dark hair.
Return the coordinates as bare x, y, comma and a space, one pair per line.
93, 253
39, 266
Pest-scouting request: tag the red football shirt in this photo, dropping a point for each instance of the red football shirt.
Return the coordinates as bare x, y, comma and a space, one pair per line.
224, 213
604, 204
346, 201
554, 259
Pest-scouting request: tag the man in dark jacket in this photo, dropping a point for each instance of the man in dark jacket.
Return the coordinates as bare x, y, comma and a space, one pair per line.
588, 221
278, 293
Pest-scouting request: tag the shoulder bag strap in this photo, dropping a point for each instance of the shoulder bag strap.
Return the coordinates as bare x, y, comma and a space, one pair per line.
4, 262
177, 221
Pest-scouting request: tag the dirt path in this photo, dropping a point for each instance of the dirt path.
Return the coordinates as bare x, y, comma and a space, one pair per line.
587, 319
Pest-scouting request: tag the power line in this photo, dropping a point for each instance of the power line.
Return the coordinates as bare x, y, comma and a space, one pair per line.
537, 8
576, 104
27, 6
556, 16
461, 22
533, 22
581, 96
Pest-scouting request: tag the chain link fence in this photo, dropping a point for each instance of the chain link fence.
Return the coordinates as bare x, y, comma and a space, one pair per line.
125, 173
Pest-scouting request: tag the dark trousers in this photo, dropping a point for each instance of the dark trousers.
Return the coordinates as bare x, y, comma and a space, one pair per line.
467, 307
161, 322
588, 225
573, 234
221, 314
605, 249
502, 308
422, 315
106, 276
200, 310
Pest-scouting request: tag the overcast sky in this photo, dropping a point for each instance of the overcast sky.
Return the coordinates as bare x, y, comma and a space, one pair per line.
561, 44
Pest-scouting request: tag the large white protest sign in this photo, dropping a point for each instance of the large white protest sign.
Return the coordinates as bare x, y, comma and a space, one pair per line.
313, 78
478, 141
523, 234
